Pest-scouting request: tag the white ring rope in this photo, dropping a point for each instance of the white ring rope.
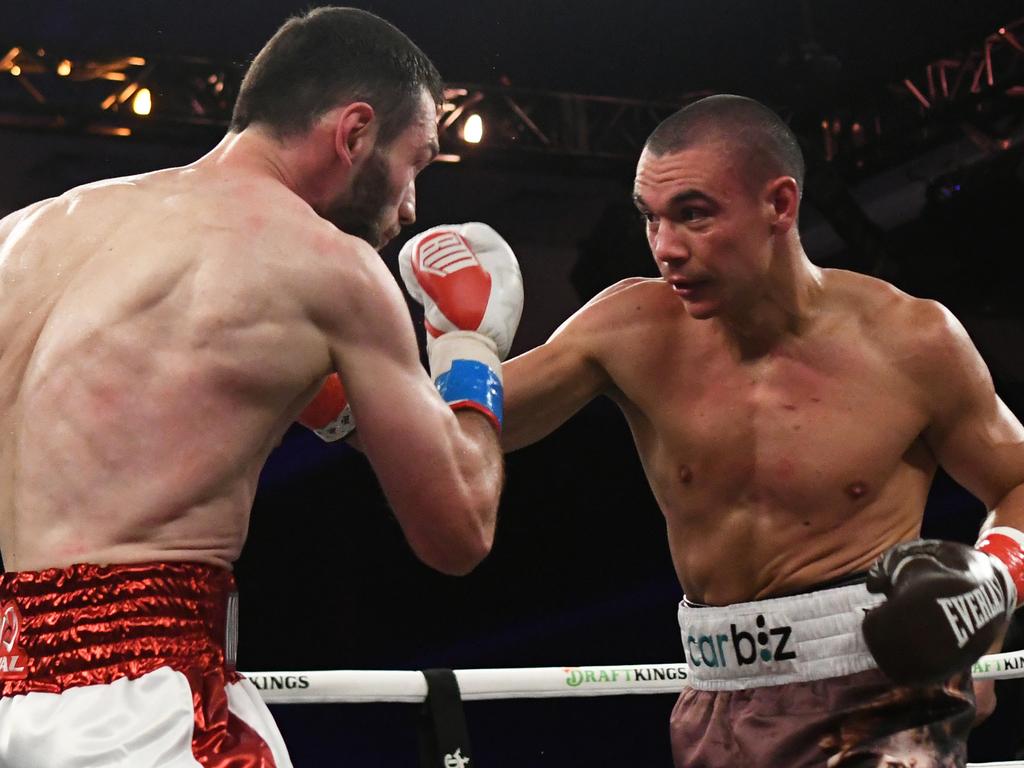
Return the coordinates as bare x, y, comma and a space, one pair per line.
357, 686
363, 686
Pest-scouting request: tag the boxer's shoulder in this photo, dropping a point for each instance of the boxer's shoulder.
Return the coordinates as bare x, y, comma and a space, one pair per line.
628, 315
12, 221
921, 337
869, 297
887, 313
633, 288
635, 299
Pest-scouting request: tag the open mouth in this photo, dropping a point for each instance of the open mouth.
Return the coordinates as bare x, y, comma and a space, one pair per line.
688, 288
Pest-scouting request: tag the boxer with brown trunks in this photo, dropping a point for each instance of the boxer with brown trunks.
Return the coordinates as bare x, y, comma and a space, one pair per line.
790, 420
160, 333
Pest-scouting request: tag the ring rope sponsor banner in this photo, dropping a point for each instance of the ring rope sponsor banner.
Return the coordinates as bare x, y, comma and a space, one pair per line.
999, 666
354, 686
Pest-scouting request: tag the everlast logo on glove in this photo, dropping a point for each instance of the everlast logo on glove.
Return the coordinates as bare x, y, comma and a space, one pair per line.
743, 645
970, 612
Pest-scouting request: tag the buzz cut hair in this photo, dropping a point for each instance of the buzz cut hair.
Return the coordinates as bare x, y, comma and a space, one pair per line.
765, 146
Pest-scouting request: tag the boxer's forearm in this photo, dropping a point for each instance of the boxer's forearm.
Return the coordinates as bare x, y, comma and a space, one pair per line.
442, 476
543, 388
1009, 511
461, 534
484, 469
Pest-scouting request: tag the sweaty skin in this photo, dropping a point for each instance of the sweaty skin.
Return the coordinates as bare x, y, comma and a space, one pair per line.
789, 419
161, 332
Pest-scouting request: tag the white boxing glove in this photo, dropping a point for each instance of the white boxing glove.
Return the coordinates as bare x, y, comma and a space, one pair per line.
468, 280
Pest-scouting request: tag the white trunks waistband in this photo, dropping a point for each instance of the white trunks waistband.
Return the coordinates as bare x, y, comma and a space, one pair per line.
794, 639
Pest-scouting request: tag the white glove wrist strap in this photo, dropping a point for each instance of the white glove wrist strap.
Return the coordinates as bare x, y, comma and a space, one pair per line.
461, 345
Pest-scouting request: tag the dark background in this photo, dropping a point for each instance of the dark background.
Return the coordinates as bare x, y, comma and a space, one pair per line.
579, 573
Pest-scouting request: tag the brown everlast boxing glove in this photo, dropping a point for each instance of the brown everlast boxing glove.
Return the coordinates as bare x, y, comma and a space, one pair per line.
947, 603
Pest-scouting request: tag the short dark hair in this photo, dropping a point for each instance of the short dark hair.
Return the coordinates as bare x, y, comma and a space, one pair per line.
332, 56
766, 144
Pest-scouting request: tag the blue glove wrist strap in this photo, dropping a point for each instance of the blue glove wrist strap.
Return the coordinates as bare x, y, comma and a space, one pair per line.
472, 384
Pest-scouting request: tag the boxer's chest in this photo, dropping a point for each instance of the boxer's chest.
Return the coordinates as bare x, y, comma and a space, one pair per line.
828, 421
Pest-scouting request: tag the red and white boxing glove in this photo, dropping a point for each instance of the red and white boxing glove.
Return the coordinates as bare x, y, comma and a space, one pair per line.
328, 415
468, 281
1005, 545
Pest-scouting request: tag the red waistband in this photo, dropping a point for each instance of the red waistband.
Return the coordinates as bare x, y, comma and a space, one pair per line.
89, 624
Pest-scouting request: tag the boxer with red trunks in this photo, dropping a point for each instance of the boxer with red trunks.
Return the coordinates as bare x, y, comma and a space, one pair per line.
160, 333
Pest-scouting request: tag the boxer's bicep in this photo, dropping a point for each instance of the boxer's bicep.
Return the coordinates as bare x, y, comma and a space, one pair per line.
972, 433
373, 348
550, 383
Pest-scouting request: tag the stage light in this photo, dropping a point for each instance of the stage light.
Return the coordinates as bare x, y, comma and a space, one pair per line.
473, 129
142, 103
64, 68
15, 70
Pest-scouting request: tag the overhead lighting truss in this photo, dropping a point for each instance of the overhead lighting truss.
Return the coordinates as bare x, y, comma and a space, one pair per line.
979, 94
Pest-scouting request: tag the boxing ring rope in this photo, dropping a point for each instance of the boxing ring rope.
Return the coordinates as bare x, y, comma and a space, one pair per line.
348, 686
406, 686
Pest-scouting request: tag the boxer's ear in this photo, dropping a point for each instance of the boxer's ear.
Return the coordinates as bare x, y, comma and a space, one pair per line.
355, 132
782, 196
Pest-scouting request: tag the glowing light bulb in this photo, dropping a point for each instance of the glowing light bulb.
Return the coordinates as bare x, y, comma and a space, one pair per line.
473, 130
142, 103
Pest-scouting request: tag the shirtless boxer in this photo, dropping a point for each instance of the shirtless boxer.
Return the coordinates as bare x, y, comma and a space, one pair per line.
790, 420
159, 334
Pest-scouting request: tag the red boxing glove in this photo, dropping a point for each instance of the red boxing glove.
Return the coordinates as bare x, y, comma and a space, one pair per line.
467, 279
1006, 546
329, 414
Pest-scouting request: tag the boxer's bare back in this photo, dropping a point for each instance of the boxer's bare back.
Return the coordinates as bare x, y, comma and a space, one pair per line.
147, 368
159, 334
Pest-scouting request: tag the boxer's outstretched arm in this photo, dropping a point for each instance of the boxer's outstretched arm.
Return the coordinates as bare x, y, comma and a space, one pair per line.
441, 473
548, 384
545, 386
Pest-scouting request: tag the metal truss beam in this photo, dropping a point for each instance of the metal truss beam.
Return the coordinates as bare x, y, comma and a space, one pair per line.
979, 95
